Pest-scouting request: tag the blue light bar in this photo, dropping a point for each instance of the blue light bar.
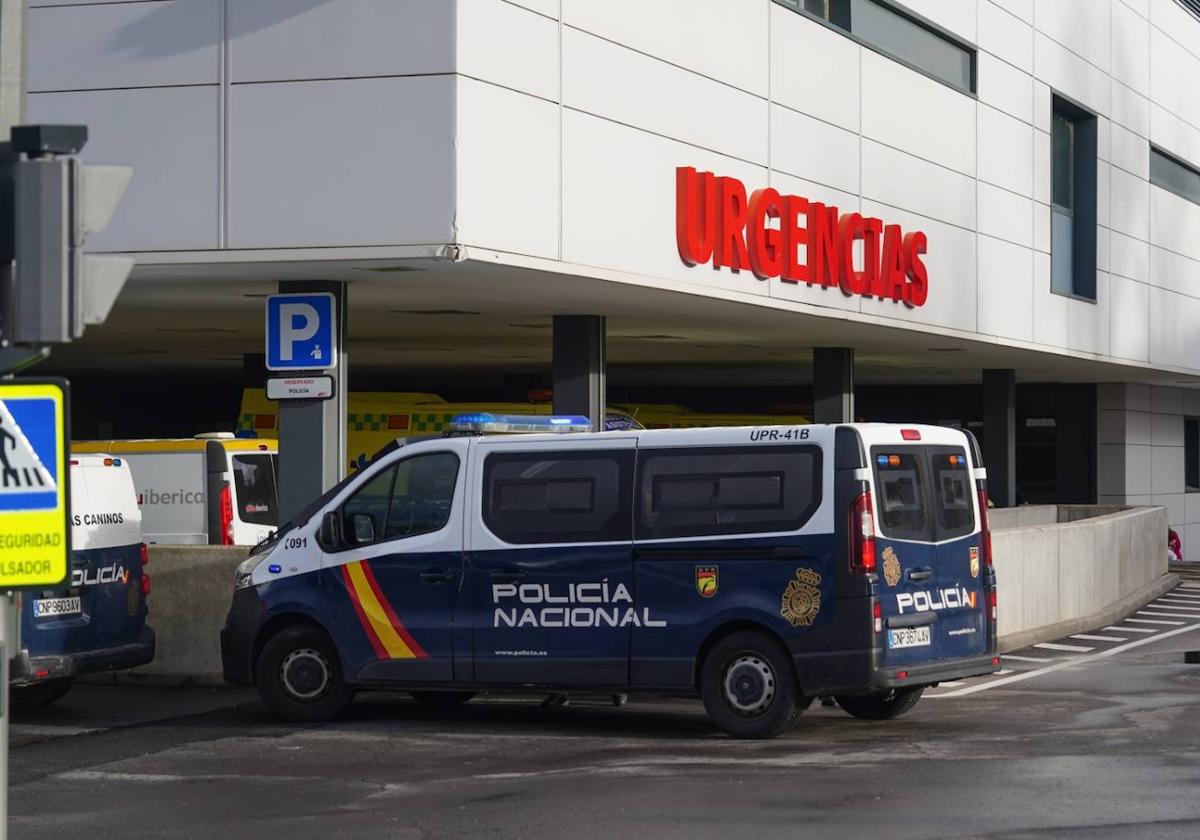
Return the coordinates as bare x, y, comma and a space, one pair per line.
485, 422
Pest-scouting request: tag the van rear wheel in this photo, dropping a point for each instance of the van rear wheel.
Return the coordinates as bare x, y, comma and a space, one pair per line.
300, 677
749, 686
883, 705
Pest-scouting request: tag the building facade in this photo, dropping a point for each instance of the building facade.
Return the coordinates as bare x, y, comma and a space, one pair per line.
1016, 183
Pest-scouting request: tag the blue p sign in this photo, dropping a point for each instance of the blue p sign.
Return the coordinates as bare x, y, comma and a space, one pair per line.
301, 332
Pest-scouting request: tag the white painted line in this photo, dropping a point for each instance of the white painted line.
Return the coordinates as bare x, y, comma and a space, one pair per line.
1004, 671
1066, 663
1153, 621
1131, 629
1056, 646
1177, 604
1175, 593
34, 730
1026, 658
1160, 613
951, 684
1085, 637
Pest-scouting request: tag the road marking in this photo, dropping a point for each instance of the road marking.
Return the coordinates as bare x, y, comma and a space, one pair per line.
952, 684
1067, 663
1087, 638
1131, 629
1056, 646
1152, 621
1004, 671
34, 730
1189, 596
1028, 658
1160, 614
1176, 604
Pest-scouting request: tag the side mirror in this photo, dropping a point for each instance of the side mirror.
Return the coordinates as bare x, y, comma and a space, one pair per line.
362, 525
329, 534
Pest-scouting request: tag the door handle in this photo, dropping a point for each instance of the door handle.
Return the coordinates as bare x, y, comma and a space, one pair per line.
437, 576
920, 574
508, 577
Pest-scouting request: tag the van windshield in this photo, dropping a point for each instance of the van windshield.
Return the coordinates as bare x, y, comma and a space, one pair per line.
923, 492
254, 483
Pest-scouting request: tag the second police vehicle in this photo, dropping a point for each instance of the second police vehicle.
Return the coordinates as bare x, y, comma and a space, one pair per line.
758, 567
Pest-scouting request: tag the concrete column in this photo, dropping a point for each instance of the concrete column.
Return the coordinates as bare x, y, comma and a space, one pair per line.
833, 385
1000, 435
312, 433
580, 349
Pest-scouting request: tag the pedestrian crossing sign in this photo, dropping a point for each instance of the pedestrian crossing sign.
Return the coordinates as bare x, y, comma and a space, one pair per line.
35, 535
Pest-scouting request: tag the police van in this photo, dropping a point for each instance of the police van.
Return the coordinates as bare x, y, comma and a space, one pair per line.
758, 567
95, 621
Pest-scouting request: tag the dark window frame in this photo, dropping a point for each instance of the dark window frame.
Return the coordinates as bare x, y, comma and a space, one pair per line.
394, 469
1084, 195
797, 6
1191, 454
1162, 157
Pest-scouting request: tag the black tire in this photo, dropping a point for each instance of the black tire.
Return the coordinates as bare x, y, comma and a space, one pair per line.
442, 699
299, 675
883, 705
749, 687
40, 694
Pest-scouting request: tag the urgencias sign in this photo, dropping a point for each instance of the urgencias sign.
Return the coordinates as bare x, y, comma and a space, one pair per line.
714, 221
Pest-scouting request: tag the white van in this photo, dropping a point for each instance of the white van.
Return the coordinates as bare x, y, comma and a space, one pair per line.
212, 489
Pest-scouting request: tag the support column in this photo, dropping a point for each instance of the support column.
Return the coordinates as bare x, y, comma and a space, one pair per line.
312, 433
580, 349
1000, 435
833, 385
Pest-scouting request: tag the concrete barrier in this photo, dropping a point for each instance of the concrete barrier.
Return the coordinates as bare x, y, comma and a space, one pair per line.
1062, 571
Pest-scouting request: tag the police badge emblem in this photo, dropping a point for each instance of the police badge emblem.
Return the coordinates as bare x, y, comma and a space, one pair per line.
801, 600
974, 561
891, 566
706, 581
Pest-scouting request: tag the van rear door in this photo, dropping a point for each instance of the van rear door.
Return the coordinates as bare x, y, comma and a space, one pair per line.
932, 606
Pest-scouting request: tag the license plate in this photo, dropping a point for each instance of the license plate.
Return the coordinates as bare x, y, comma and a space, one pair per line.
907, 637
56, 606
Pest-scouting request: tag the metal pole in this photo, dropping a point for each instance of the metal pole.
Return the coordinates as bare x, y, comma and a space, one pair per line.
12, 112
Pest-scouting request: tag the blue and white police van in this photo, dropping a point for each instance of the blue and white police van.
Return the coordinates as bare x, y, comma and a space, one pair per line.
95, 621
758, 567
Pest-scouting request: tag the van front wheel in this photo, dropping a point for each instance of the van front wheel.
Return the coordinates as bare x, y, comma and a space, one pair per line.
748, 686
883, 705
300, 677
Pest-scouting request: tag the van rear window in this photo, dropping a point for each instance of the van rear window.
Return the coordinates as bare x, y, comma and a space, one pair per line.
899, 477
254, 484
952, 494
923, 493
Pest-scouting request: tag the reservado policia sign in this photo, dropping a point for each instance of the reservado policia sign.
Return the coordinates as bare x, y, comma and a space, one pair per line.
35, 534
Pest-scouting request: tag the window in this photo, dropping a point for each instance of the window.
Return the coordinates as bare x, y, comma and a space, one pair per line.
709, 491
898, 34
1172, 174
1073, 201
900, 479
953, 494
254, 486
1191, 454
559, 497
413, 497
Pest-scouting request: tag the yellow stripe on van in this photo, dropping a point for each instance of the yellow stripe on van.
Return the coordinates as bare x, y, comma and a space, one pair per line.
123, 447
373, 610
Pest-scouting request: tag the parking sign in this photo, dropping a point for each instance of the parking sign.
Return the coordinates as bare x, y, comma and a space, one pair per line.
301, 332
35, 535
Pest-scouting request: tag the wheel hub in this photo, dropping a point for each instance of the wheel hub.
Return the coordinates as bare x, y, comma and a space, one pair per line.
305, 674
749, 685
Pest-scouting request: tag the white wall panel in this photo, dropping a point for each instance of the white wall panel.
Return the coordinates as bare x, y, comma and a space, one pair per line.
487, 30
829, 89
1130, 327
1130, 48
815, 150
722, 39
901, 180
275, 40
900, 104
1130, 151
1005, 35
1041, 227
1174, 341
1169, 270
1174, 224
1005, 151
170, 136
1130, 197
1169, 16
610, 81
1173, 71
1130, 257
1005, 289
1166, 468
1130, 109
1041, 167
1142, 7
1005, 87
395, 186
1066, 72
1043, 106
1082, 26
1104, 178
172, 42
507, 170
1005, 215
542, 7
1021, 8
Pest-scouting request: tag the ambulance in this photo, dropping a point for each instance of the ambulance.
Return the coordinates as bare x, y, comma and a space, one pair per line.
754, 567
213, 489
95, 621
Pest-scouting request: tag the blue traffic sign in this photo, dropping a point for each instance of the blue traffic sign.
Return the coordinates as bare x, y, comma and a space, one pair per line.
301, 332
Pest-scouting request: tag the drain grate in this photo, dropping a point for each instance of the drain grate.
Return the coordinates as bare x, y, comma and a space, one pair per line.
1191, 657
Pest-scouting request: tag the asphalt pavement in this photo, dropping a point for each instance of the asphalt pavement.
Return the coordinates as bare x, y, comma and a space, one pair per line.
1095, 735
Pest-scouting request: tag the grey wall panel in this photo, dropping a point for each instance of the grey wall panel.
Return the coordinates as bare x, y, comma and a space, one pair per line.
109, 45
326, 39
334, 163
170, 136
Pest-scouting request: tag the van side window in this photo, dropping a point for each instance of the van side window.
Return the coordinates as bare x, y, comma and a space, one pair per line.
699, 492
559, 497
254, 483
413, 497
953, 495
899, 477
